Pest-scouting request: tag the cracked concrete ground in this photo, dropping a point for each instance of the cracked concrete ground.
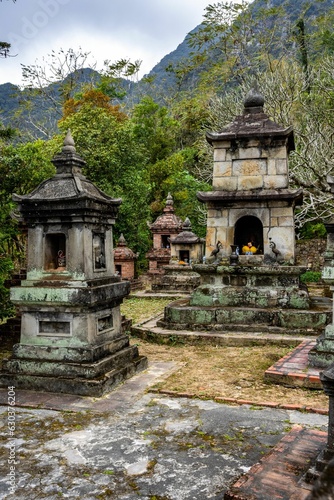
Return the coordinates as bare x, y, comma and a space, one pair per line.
154, 448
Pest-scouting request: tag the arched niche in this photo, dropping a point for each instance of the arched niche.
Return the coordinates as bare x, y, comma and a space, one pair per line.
55, 251
249, 228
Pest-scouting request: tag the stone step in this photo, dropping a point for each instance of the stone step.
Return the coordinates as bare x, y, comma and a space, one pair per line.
234, 338
75, 385
180, 316
241, 328
71, 369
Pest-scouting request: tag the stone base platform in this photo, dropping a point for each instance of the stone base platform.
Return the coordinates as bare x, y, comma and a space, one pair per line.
181, 315
280, 474
294, 370
177, 278
82, 378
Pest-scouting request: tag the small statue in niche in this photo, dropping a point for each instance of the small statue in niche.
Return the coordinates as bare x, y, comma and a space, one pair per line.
99, 252
249, 249
61, 259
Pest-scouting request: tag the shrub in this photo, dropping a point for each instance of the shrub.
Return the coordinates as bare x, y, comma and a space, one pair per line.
310, 277
311, 231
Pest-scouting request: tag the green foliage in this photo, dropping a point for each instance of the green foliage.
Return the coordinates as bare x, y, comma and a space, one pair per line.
22, 168
115, 77
155, 129
310, 277
7, 133
6, 307
313, 230
115, 162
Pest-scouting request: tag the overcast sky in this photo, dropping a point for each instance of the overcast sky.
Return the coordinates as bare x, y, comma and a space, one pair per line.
108, 29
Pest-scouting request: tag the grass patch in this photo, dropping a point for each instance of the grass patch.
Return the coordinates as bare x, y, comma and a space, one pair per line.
209, 371
141, 309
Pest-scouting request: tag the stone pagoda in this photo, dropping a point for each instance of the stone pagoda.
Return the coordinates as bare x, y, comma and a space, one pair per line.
166, 226
71, 336
251, 202
124, 259
251, 199
186, 249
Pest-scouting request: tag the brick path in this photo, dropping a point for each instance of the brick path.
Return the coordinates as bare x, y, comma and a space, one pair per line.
293, 369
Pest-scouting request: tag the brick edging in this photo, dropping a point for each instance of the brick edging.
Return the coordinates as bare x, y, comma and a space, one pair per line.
219, 399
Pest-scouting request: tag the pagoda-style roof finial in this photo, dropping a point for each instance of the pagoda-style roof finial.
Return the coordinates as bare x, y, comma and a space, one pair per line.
169, 200
169, 207
121, 241
68, 161
186, 225
254, 101
69, 145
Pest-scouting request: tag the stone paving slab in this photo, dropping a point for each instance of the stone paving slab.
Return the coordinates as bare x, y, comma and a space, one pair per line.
134, 444
293, 370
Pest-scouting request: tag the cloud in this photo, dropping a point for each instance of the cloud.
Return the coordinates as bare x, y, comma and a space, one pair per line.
137, 29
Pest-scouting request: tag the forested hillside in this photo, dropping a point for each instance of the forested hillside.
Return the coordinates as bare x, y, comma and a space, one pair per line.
144, 139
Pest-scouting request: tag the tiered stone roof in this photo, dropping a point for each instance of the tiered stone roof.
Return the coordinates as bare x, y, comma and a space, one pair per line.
186, 236
122, 252
168, 221
253, 123
68, 193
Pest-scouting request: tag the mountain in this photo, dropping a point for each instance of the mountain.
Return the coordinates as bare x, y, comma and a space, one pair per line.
31, 112
160, 83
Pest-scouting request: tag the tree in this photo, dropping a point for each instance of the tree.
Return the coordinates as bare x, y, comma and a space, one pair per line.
171, 155
48, 85
57, 77
116, 162
22, 168
155, 128
117, 78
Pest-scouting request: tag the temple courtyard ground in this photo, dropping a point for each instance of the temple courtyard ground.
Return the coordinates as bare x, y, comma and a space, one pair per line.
200, 423
134, 443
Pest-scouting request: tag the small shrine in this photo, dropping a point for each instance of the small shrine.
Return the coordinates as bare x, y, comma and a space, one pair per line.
187, 247
125, 260
71, 334
166, 226
251, 200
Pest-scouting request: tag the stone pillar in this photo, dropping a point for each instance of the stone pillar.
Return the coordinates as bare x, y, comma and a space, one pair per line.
327, 380
322, 472
322, 355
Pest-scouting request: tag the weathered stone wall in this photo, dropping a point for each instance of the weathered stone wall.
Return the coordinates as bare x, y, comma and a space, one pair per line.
250, 165
311, 252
